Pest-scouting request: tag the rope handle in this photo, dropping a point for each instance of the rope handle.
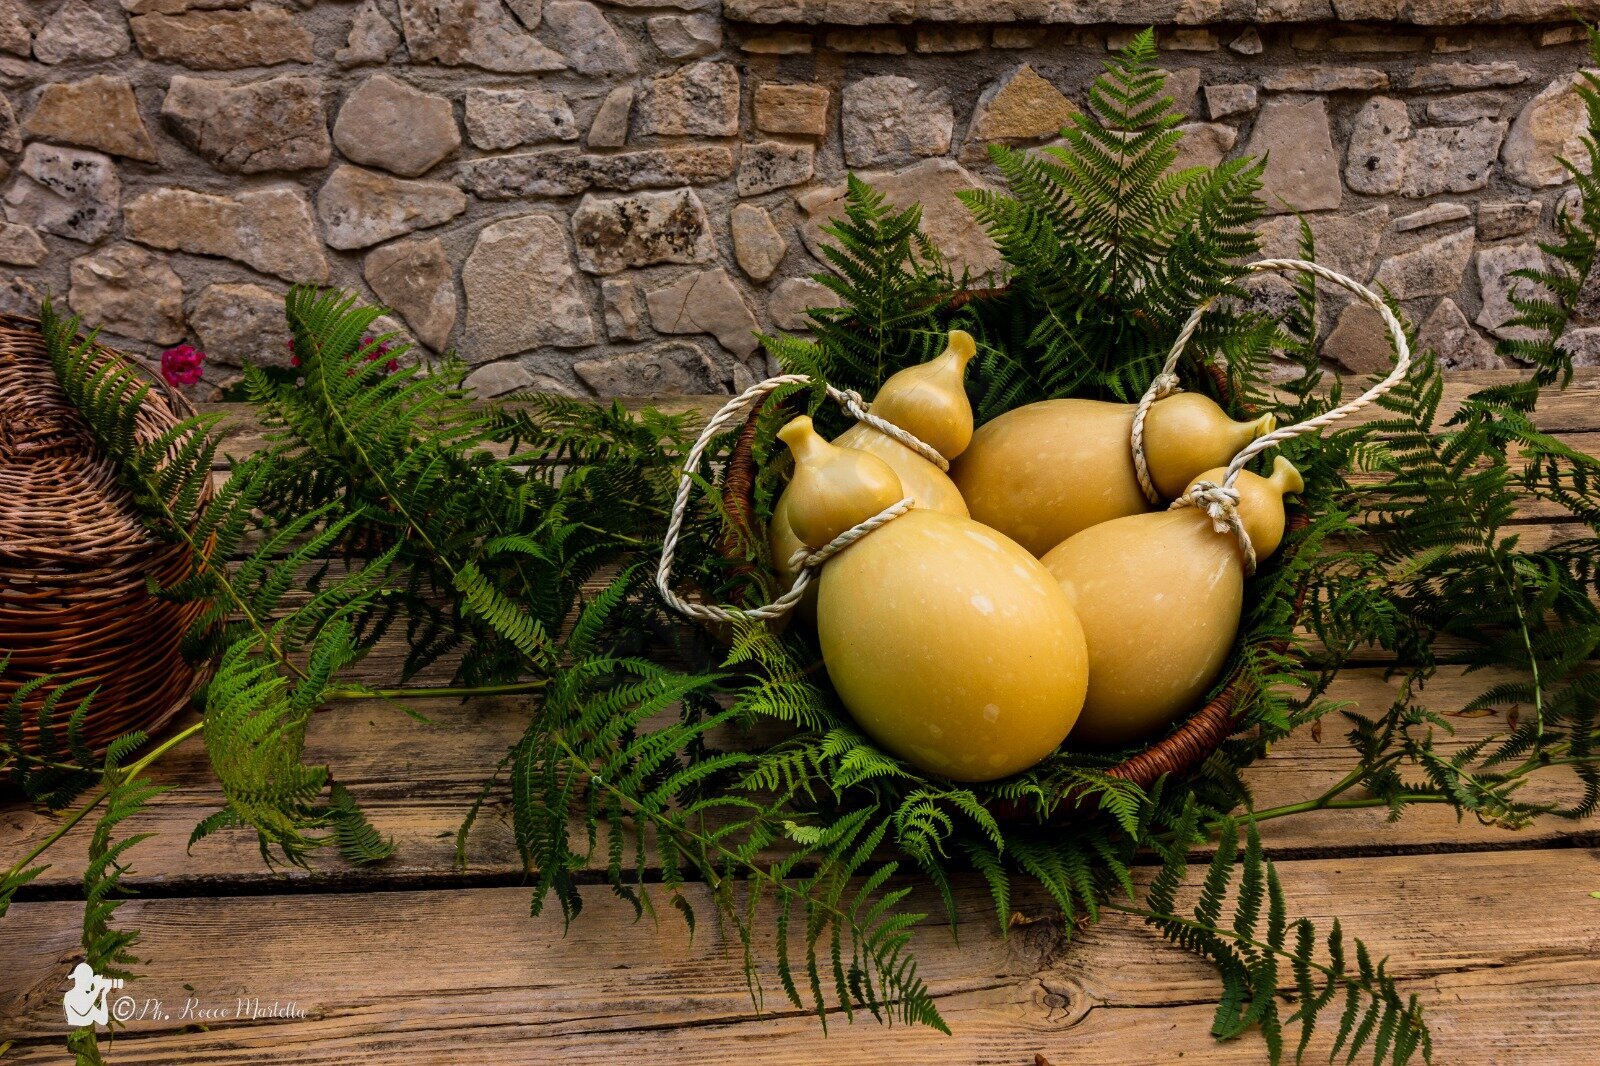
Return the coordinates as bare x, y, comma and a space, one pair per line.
1220, 502
806, 561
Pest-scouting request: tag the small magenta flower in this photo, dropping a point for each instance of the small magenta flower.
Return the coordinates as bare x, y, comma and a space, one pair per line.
182, 365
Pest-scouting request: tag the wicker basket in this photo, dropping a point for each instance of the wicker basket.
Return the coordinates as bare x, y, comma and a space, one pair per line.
74, 556
1176, 754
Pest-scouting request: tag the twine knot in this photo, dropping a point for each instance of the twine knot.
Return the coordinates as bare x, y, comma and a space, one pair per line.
1221, 505
1164, 384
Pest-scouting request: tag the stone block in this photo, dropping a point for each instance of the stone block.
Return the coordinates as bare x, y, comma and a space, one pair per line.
581, 33
1500, 220
624, 314
125, 290
1496, 286
473, 33
770, 165
645, 229
269, 229
1449, 335
223, 40
799, 110
758, 247
890, 119
1551, 125
791, 298
65, 191
685, 36
1302, 170
705, 301
78, 31
414, 279
674, 368
1434, 269
389, 124
250, 127
360, 208
510, 118
99, 112
701, 99
522, 292
236, 324
566, 173
1223, 101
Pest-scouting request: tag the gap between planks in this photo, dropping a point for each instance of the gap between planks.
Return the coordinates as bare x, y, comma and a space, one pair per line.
416, 782
467, 972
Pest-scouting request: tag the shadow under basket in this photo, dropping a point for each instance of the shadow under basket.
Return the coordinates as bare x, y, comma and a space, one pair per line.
1176, 754
74, 558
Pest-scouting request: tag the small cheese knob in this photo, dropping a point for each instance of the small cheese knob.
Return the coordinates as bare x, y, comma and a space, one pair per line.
929, 400
833, 488
1186, 432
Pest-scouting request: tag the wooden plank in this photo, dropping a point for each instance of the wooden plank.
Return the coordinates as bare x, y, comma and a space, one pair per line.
417, 781
455, 976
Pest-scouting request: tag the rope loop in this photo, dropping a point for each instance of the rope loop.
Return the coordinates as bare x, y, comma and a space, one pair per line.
1165, 383
852, 402
730, 414
807, 559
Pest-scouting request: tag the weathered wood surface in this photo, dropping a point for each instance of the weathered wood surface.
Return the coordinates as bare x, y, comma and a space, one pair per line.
1502, 947
416, 780
422, 962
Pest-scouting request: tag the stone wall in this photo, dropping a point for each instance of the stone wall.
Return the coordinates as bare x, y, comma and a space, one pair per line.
612, 198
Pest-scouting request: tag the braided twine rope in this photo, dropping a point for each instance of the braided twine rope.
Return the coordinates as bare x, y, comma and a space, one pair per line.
1221, 501
1218, 501
805, 561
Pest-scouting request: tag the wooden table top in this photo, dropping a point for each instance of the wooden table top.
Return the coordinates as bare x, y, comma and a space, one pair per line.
419, 962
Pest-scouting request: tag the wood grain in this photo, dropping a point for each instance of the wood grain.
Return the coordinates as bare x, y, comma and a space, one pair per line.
417, 780
416, 961
466, 976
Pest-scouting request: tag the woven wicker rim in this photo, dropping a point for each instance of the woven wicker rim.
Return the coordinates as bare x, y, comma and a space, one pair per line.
75, 555
1175, 754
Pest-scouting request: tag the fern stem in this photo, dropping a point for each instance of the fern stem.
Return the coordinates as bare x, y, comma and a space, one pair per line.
124, 776
1324, 803
1343, 785
335, 412
17, 758
424, 692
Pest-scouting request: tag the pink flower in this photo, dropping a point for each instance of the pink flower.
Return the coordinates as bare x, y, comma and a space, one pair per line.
182, 365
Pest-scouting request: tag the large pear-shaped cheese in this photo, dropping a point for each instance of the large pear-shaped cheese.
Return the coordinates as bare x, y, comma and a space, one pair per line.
951, 646
1160, 596
1044, 471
